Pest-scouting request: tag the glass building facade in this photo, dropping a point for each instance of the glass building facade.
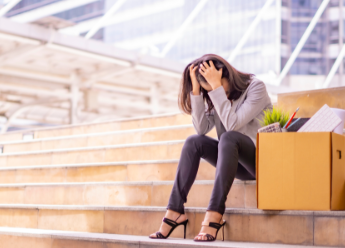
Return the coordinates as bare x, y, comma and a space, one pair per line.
216, 29
312, 59
149, 26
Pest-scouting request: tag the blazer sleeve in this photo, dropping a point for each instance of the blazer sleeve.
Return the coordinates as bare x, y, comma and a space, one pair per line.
255, 102
203, 122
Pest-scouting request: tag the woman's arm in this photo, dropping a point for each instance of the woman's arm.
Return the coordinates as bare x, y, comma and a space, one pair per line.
256, 101
202, 121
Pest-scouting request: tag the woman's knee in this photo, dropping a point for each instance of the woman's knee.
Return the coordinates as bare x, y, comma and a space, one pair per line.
195, 139
230, 136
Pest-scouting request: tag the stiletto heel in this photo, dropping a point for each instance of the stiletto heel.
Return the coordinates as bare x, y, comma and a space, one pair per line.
173, 225
209, 236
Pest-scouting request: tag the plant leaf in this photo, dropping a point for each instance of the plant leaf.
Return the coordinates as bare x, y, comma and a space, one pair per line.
273, 116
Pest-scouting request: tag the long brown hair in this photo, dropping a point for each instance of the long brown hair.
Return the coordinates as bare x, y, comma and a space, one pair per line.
238, 82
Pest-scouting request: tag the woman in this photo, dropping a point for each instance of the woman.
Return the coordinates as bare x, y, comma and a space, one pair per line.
235, 103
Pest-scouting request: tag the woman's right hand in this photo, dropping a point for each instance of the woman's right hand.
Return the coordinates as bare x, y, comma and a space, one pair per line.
195, 83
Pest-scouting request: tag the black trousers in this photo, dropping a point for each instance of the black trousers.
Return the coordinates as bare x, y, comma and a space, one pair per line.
233, 156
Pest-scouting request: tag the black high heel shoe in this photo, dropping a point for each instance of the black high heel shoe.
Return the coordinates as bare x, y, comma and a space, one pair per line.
209, 236
173, 225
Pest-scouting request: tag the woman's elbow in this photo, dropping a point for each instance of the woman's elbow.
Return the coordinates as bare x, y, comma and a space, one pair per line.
232, 125
200, 131
200, 128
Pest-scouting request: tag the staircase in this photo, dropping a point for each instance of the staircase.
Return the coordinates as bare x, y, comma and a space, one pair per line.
107, 185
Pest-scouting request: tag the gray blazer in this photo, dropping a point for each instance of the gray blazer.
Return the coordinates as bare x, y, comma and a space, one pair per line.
242, 116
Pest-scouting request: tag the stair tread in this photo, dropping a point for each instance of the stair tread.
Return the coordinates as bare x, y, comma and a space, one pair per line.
97, 123
170, 142
122, 163
132, 239
248, 211
123, 183
99, 134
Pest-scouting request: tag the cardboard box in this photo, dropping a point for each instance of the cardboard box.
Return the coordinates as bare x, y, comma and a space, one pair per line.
300, 171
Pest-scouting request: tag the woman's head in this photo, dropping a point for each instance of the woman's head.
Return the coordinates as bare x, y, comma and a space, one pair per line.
219, 65
233, 81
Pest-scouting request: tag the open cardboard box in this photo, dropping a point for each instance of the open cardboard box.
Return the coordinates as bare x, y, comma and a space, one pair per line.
300, 171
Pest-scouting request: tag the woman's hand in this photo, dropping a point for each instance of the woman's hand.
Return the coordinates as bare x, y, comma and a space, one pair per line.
195, 83
211, 74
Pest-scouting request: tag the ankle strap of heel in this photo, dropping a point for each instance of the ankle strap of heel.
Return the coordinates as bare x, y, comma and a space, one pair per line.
212, 224
169, 222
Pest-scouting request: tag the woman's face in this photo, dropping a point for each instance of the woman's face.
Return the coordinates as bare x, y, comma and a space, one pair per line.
225, 85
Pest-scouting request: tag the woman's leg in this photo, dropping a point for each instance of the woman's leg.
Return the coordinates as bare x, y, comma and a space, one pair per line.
234, 148
236, 158
195, 147
243, 174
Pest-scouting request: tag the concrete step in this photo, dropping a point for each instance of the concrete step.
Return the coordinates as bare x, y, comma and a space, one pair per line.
105, 138
98, 127
319, 228
149, 170
114, 153
39, 238
242, 194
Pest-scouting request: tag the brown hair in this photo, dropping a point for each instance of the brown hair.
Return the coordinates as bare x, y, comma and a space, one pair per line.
238, 82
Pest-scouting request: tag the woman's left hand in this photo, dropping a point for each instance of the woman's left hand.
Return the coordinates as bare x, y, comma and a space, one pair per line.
211, 74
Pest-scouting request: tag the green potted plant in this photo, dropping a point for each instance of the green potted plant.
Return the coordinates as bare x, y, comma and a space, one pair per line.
273, 120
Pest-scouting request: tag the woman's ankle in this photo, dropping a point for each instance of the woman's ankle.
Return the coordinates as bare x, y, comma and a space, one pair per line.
173, 215
213, 216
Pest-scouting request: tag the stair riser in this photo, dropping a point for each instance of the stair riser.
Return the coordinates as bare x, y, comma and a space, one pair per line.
104, 127
131, 172
152, 152
103, 140
267, 228
9, 241
11, 137
240, 196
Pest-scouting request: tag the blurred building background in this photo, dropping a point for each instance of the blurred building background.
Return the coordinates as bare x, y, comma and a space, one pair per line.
148, 26
256, 36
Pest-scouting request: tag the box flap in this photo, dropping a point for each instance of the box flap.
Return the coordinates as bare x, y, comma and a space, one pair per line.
338, 172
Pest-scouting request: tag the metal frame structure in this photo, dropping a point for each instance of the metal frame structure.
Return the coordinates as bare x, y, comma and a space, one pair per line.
124, 16
41, 63
38, 63
339, 62
250, 30
48, 10
305, 36
341, 38
8, 7
19, 110
183, 27
302, 41
104, 18
334, 68
279, 35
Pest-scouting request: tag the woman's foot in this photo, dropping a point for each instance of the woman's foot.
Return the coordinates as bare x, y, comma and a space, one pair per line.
210, 216
165, 228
